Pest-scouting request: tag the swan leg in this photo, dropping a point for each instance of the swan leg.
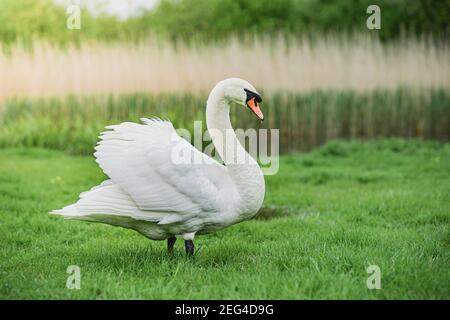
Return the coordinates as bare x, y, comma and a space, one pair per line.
189, 245
171, 243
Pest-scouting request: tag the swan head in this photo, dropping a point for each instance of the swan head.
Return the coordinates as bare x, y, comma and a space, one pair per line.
243, 93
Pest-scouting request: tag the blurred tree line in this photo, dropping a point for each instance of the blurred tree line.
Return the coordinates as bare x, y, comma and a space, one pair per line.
218, 18
212, 20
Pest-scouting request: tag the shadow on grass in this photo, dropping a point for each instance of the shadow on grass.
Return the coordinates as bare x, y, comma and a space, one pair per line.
276, 212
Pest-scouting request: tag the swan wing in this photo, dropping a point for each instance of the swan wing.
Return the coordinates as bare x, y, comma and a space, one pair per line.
161, 171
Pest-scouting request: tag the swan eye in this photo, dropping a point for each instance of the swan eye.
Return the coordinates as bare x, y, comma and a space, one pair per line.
251, 95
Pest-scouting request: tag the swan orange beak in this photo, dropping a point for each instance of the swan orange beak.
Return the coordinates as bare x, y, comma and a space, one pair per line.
254, 106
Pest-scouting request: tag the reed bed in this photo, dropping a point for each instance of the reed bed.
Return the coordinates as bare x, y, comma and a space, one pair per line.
305, 120
272, 64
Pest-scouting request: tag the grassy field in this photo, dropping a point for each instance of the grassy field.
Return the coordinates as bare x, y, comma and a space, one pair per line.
328, 215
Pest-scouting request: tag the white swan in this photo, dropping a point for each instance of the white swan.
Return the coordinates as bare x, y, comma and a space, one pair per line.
161, 197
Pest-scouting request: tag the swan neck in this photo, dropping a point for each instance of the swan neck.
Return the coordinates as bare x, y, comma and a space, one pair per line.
243, 169
220, 129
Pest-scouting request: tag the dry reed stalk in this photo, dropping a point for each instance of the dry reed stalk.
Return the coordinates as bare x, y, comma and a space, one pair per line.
271, 64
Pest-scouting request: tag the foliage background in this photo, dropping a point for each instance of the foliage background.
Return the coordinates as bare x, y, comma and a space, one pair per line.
215, 20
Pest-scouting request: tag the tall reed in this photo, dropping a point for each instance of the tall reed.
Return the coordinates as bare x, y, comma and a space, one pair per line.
305, 120
271, 64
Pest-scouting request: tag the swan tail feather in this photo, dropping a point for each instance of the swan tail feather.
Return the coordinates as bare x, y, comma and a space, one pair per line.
106, 199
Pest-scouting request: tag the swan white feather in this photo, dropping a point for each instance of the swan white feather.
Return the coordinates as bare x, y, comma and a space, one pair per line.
150, 193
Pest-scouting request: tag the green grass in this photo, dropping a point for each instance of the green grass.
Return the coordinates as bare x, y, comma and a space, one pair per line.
328, 215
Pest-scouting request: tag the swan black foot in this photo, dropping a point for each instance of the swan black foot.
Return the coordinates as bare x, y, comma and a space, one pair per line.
170, 244
189, 245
